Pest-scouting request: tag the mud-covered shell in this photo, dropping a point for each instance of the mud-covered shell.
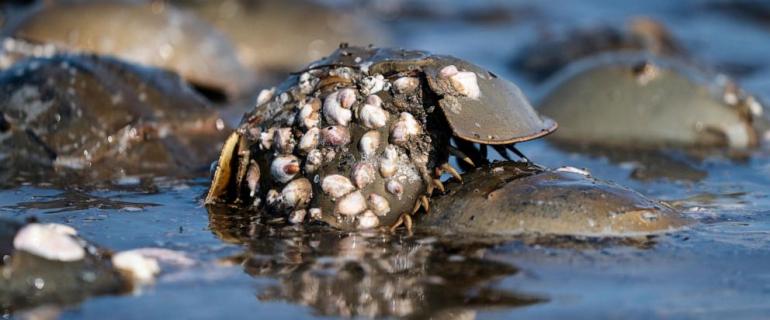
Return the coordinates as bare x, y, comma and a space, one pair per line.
104, 116
645, 101
509, 198
153, 34
500, 115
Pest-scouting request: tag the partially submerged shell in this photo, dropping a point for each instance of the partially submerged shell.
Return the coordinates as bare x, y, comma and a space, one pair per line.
645, 102
153, 34
510, 198
102, 118
385, 123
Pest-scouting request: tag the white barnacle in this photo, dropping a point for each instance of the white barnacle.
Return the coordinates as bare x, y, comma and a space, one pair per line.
337, 185
369, 143
395, 188
273, 198
313, 161
297, 216
405, 128
406, 84
351, 204
253, 174
307, 83
315, 213
264, 96
374, 100
297, 193
368, 220
389, 161
335, 136
284, 168
464, 82
363, 174
284, 140
309, 113
266, 139
140, 268
51, 241
346, 97
309, 140
372, 116
378, 204
334, 112
373, 84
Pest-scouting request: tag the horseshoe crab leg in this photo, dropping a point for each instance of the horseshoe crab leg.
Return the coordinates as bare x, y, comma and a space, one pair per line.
513, 148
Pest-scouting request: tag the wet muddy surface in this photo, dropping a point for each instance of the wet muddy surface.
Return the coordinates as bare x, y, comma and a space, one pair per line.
717, 267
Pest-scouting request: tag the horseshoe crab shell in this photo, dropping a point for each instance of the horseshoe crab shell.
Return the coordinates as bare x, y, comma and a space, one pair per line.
369, 129
153, 34
102, 117
510, 198
649, 102
501, 114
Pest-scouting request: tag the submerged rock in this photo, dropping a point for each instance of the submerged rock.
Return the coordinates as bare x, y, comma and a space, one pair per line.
509, 198
644, 102
48, 263
100, 118
641, 34
151, 34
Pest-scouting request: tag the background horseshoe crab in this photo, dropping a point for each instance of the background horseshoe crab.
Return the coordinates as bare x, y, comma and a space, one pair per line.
100, 118
641, 101
407, 88
151, 34
545, 58
268, 36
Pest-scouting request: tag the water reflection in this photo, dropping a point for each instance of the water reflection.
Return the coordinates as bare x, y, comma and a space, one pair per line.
358, 274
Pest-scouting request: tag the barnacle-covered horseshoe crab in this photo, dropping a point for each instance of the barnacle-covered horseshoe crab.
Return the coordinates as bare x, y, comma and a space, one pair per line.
360, 139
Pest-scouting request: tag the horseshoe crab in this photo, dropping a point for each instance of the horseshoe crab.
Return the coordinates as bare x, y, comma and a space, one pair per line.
640, 34
101, 118
268, 37
640, 101
360, 139
152, 34
513, 198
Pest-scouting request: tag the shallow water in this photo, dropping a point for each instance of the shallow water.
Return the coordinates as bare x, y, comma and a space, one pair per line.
719, 268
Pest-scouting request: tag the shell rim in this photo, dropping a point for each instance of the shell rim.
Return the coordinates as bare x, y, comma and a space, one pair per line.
549, 124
